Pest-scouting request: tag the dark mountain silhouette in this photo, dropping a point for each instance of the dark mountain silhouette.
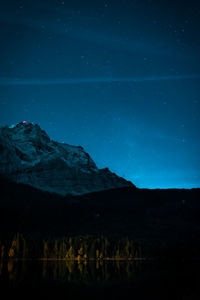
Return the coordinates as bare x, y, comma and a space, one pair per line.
165, 222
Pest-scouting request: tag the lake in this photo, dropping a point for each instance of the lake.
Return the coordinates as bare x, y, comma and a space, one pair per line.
100, 279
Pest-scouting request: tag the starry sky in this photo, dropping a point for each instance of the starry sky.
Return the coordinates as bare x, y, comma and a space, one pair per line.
119, 77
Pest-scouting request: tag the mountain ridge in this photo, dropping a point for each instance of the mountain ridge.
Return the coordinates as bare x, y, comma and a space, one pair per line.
29, 156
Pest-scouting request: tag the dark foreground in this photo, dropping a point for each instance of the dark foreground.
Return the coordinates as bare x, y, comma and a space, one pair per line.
100, 280
164, 222
160, 225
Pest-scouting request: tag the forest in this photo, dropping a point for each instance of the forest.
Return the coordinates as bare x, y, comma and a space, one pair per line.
71, 248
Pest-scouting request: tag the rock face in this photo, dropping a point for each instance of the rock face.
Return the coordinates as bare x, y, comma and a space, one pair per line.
28, 155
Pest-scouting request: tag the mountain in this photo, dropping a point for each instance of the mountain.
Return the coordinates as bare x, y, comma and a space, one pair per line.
29, 156
165, 222
54, 190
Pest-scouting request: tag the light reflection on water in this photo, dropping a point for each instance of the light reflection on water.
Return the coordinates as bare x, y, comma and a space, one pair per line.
103, 279
70, 271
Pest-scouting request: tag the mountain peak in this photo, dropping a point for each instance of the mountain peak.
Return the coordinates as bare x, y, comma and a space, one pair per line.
23, 125
27, 128
29, 156
25, 131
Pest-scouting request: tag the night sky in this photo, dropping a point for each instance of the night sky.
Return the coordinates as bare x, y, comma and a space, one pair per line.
120, 78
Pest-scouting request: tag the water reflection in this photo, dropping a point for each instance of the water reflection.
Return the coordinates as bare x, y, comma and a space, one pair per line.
18, 271
104, 279
84, 271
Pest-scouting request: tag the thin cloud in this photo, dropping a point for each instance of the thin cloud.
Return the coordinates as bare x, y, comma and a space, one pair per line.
6, 81
92, 36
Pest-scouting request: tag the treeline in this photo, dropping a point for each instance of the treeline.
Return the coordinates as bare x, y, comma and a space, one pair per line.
71, 248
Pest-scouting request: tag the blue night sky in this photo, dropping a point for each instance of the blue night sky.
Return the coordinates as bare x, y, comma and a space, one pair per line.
119, 77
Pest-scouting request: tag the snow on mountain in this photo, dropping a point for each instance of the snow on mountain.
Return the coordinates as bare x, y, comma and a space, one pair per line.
28, 155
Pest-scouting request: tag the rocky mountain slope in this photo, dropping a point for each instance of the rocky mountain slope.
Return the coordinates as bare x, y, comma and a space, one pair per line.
28, 155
